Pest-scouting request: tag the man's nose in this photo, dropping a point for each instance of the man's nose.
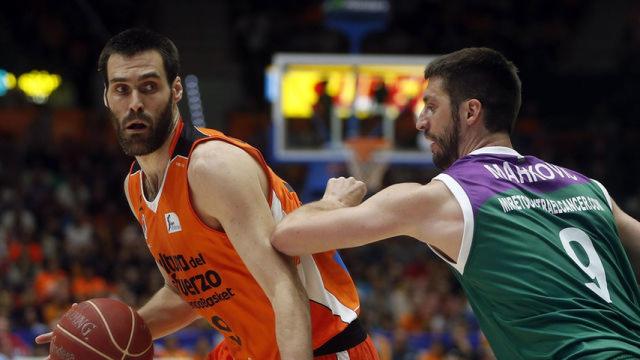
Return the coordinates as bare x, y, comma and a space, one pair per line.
136, 104
422, 123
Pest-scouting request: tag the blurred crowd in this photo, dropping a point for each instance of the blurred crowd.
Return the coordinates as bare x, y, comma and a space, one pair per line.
66, 232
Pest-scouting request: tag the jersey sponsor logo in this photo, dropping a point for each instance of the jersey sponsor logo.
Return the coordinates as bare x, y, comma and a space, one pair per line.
212, 300
177, 263
203, 284
571, 204
197, 284
173, 222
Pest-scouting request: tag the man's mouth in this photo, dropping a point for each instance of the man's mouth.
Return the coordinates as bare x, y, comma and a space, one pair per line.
136, 125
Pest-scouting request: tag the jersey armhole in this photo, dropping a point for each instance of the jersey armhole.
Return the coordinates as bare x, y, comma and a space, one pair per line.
605, 192
467, 214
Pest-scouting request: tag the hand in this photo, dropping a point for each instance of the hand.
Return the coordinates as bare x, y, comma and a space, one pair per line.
347, 192
46, 337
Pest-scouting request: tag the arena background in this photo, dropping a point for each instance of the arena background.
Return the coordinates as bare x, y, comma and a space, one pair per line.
66, 233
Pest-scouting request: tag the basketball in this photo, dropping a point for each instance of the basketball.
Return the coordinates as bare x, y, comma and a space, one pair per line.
101, 329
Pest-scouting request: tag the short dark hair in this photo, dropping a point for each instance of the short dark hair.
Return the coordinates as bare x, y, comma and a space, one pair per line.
483, 74
134, 41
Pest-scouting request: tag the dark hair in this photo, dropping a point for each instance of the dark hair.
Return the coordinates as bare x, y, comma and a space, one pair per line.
134, 41
483, 74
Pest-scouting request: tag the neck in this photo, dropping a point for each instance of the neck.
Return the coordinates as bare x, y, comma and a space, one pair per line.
477, 142
154, 164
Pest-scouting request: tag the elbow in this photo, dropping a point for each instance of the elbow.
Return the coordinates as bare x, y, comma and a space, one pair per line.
282, 241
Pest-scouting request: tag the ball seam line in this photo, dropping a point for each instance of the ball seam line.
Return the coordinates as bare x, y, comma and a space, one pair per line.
82, 342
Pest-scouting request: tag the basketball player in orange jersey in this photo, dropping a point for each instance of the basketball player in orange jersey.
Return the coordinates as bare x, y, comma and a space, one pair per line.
207, 204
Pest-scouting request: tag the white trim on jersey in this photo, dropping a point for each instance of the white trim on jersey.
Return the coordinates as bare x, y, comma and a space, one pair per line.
310, 276
276, 207
312, 281
153, 205
606, 193
499, 150
467, 214
343, 355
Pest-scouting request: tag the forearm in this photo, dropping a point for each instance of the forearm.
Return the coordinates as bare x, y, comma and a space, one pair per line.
291, 236
166, 313
293, 323
307, 211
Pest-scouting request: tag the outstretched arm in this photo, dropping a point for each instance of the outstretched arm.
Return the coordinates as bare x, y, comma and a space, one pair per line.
426, 212
229, 186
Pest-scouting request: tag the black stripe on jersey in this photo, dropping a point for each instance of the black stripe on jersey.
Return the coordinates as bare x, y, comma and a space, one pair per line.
135, 167
189, 135
286, 184
350, 337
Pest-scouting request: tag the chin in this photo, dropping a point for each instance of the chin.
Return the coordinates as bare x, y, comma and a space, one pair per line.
136, 148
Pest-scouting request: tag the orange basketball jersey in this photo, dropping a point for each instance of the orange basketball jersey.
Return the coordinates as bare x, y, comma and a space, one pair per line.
209, 274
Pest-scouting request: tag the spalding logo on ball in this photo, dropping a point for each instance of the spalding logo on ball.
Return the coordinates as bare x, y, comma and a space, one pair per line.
101, 329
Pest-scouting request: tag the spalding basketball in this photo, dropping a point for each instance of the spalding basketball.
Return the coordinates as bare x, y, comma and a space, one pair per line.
101, 329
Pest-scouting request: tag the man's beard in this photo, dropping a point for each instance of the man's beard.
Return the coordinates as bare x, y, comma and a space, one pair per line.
144, 143
448, 144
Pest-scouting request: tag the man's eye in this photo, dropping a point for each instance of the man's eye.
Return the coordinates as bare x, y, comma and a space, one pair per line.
121, 89
148, 87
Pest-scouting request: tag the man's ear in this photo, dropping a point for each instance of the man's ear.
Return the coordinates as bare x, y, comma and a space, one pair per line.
104, 97
471, 111
176, 88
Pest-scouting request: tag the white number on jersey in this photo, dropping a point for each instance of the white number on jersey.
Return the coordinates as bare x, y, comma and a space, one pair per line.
594, 270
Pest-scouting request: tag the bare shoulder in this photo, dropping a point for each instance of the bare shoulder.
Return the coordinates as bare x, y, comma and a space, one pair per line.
438, 200
438, 192
219, 169
218, 158
441, 220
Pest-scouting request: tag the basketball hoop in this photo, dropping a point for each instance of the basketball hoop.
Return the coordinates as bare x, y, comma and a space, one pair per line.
362, 164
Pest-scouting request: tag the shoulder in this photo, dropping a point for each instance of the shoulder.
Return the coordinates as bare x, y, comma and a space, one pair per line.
224, 165
219, 159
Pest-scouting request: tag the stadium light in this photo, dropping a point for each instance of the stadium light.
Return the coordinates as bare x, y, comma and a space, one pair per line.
7, 81
38, 85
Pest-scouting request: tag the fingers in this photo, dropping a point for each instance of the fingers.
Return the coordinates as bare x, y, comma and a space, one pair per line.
342, 180
346, 191
44, 338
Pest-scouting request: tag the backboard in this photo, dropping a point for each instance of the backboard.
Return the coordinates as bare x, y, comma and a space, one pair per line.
320, 101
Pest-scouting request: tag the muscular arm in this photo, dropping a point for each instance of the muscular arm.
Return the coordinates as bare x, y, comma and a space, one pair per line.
165, 312
429, 213
629, 230
229, 186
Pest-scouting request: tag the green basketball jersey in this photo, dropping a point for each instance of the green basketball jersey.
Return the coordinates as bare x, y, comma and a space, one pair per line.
541, 261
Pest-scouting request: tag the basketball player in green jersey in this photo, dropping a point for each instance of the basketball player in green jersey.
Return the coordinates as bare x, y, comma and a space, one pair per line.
536, 247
